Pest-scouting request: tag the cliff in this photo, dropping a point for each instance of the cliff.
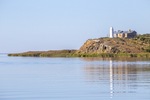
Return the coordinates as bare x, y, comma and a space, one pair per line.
110, 47
114, 45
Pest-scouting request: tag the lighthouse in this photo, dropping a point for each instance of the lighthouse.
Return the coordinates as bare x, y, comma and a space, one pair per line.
111, 34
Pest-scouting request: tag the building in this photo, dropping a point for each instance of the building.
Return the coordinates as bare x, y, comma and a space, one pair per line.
122, 34
111, 32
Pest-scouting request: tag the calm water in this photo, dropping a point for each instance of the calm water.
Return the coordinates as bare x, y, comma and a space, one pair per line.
73, 79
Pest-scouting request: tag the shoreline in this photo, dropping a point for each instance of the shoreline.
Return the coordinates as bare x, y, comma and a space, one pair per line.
101, 47
73, 53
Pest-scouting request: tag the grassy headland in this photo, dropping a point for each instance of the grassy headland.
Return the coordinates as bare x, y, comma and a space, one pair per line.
102, 47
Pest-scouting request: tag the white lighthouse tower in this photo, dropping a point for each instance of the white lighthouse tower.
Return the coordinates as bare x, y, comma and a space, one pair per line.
111, 34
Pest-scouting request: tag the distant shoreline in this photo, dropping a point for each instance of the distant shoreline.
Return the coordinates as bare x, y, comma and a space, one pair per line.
101, 47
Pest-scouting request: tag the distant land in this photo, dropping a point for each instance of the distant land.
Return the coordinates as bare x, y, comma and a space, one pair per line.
138, 46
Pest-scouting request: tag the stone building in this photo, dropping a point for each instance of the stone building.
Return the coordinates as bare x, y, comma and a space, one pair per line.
122, 34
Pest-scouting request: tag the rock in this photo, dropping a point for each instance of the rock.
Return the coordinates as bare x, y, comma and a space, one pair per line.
110, 45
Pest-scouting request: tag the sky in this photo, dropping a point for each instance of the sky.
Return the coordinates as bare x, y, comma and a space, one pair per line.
40, 25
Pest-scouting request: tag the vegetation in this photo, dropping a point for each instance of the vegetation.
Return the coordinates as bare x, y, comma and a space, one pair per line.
145, 39
51, 53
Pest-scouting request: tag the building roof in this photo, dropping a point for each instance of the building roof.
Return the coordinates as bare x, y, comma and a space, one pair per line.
123, 32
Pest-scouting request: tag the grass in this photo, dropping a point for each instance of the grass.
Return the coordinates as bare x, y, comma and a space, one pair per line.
112, 55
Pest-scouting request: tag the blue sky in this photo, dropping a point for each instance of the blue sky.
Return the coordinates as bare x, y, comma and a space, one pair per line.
27, 25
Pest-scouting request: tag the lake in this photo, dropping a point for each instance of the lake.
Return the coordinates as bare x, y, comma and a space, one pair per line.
31, 78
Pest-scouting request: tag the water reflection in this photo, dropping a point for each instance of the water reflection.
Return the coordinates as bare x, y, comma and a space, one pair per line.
111, 79
119, 76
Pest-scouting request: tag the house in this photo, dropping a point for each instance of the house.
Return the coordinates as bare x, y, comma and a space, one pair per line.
122, 34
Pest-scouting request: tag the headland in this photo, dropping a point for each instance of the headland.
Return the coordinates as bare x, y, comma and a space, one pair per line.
139, 46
